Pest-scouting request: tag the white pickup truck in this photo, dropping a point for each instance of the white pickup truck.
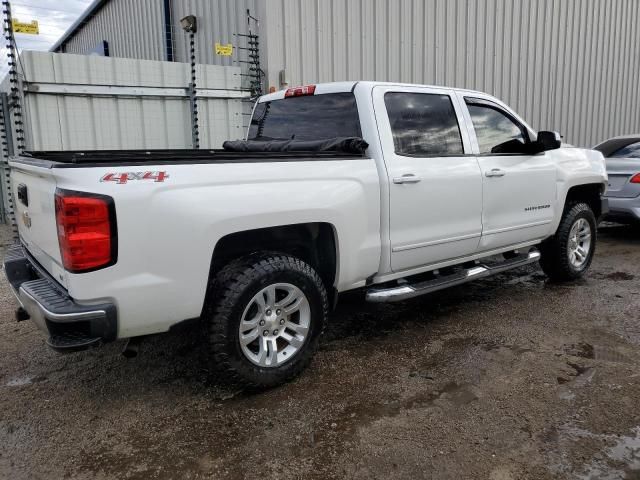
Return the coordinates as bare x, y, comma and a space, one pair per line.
398, 190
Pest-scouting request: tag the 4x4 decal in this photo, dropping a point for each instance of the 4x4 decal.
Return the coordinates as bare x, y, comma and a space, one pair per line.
124, 177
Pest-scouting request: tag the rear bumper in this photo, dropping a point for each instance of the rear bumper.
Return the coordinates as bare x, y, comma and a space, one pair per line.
69, 325
623, 209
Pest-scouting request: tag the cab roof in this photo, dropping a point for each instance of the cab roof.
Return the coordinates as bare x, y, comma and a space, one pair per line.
341, 87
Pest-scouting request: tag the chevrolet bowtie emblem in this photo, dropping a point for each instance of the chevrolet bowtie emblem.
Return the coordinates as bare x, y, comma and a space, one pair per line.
26, 219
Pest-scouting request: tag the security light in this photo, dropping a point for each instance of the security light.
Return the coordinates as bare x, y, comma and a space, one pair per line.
189, 24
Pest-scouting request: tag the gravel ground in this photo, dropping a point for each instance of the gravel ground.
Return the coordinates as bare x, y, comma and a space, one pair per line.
506, 378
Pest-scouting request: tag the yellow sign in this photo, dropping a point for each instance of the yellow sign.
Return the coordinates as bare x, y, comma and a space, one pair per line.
29, 28
224, 50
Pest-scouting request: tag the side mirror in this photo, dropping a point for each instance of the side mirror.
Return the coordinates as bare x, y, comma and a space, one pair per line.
548, 141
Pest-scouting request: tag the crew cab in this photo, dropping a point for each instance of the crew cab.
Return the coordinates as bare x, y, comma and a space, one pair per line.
397, 190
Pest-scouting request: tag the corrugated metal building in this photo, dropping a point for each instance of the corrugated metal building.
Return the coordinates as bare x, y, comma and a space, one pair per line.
568, 65
150, 29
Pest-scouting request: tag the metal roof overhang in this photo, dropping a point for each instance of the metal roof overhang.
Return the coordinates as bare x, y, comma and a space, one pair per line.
86, 15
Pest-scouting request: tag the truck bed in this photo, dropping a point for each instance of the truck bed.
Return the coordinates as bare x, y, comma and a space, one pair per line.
101, 158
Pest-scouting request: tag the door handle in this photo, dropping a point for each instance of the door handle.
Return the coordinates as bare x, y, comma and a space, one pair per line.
407, 178
495, 172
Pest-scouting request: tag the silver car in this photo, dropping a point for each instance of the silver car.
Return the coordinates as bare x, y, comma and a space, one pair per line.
623, 166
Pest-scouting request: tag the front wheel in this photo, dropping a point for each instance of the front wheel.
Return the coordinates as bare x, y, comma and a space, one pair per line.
568, 254
266, 316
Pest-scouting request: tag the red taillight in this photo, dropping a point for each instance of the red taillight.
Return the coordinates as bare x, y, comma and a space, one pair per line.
300, 91
635, 178
85, 232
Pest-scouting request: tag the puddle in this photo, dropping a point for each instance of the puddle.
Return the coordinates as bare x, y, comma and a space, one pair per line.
597, 473
452, 395
594, 352
584, 375
20, 381
617, 276
491, 346
532, 279
459, 395
584, 350
24, 380
627, 450
580, 377
624, 450
607, 355
565, 394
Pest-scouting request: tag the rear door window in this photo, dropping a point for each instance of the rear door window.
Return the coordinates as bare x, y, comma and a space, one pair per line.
630, 151
423, 124
312, 117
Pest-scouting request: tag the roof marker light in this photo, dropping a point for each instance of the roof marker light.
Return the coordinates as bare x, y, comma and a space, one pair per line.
302, 91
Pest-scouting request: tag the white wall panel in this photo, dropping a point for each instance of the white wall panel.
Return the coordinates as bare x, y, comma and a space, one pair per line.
74, 121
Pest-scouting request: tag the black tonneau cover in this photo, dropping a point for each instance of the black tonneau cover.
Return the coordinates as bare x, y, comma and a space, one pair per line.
340, 144
241, 151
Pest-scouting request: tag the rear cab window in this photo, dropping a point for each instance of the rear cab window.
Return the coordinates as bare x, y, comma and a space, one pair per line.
309, 117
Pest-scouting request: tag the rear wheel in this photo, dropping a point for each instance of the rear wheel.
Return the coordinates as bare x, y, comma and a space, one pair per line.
266, 315
568, 254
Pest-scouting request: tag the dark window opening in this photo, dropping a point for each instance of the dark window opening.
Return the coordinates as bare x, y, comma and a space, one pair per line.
423, 124
496, 131
312, 117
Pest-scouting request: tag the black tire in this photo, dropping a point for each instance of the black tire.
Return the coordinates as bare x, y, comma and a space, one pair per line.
231, 292
554, 251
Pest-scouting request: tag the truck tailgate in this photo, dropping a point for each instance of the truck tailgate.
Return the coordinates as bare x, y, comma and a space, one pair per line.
34, 198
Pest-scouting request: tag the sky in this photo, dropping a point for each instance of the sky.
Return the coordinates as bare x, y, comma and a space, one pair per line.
53, 16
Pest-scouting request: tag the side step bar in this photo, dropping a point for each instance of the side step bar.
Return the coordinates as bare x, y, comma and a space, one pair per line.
398, 293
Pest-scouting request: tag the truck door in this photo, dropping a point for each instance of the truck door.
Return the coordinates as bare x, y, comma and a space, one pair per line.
519, 189
435, 185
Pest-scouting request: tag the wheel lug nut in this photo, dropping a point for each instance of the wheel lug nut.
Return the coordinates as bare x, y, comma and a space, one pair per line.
262, 323
275, 332
268, 312
278, 312
282, 321
265, 333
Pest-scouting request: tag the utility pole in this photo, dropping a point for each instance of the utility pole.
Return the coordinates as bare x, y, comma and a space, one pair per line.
10, 101
189, 25
14, 80
255, 73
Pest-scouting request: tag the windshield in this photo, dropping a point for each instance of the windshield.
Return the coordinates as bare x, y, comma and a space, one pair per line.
312, 117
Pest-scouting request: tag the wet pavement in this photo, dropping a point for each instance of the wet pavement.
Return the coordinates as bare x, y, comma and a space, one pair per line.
506, 378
